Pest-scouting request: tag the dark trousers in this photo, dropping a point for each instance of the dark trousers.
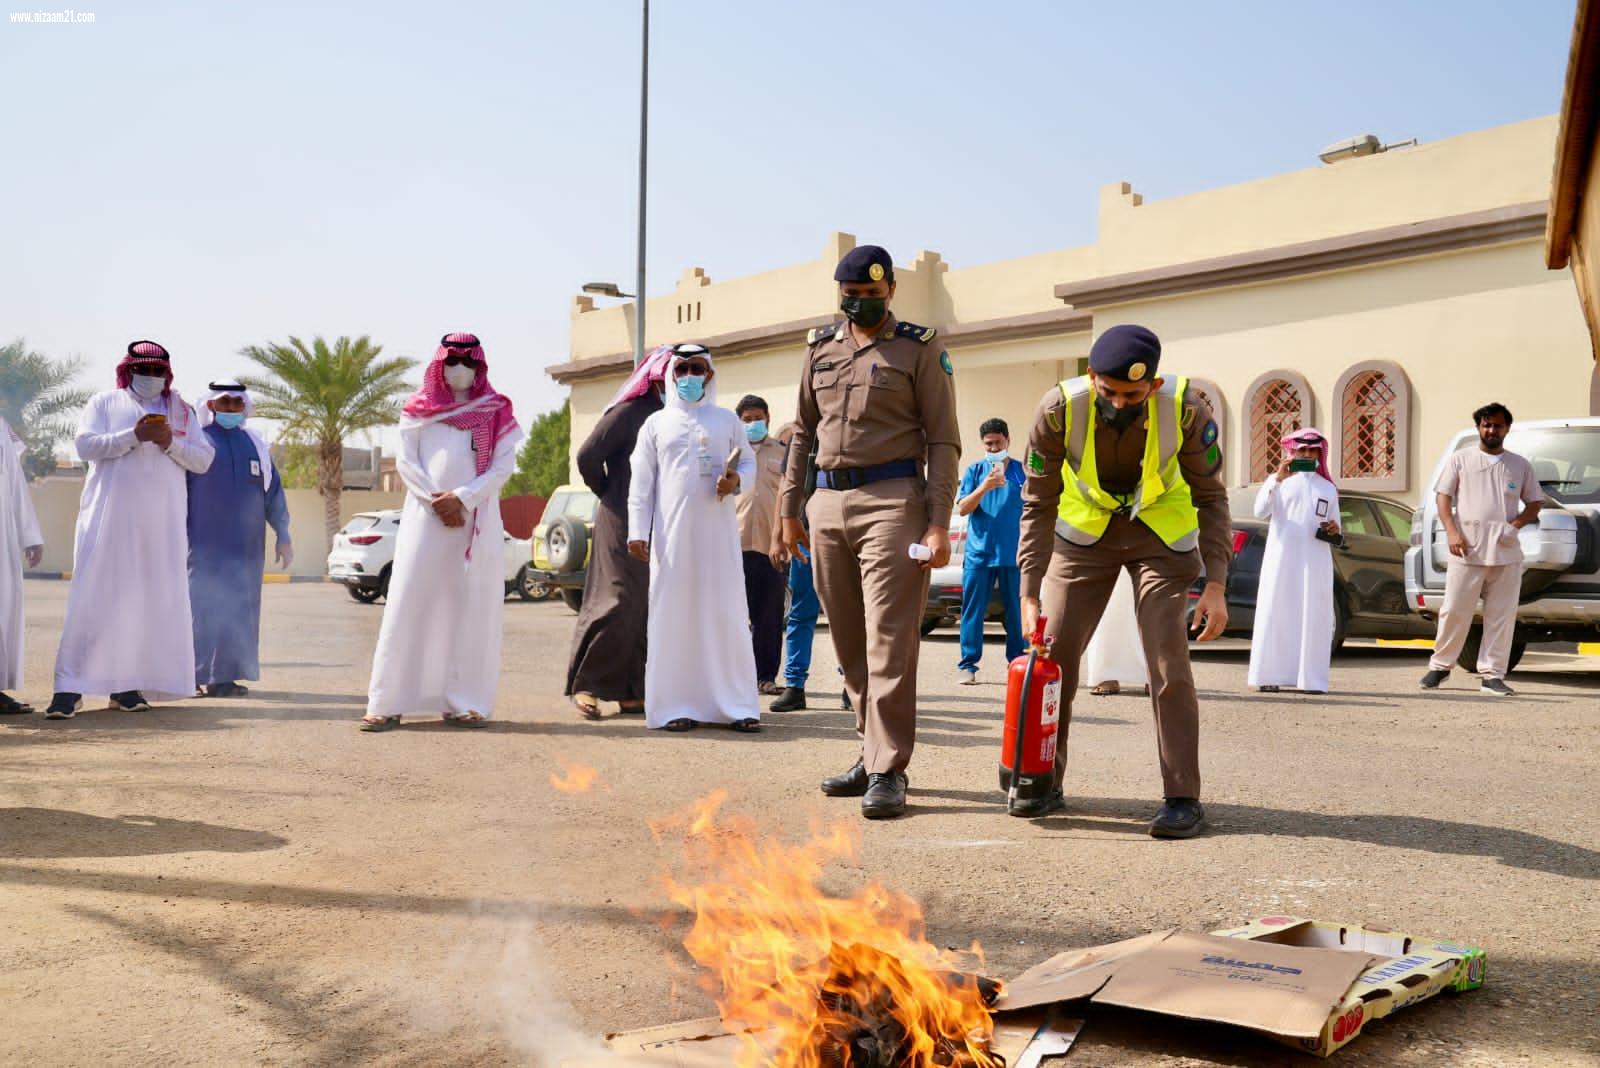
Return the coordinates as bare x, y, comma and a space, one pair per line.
763, 592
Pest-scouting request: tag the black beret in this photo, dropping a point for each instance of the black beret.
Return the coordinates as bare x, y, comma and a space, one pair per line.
865, 263
1127, 352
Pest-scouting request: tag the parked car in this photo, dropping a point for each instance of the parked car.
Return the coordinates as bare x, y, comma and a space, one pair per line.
1560, 598
1369, 586
561, 542
363, 557
944, 587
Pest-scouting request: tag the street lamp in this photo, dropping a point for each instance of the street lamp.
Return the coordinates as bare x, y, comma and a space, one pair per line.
605, 289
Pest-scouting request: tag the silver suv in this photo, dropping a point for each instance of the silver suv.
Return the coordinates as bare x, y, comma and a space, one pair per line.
1560, 599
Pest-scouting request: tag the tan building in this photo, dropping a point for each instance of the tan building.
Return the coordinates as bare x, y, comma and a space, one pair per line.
1381, 298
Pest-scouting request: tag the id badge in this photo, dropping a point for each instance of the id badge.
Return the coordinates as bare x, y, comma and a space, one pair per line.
255, 468
708, 466
1322, 508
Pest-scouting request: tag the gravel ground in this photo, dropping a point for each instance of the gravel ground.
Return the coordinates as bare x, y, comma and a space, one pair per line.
233, 882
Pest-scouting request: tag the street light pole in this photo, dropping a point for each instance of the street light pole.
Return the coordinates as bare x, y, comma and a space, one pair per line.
644, 127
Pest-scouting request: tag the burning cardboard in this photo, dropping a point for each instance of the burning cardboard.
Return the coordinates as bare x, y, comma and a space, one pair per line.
1307, 983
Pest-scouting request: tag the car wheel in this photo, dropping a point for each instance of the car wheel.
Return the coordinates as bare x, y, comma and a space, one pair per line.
566, 541
1341, 620
1468, 657
383, 583
529, 588
573, 599
929, 626
364, 594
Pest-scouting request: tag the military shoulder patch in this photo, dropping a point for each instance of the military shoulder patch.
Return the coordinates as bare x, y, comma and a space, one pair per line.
944, 361
1208, 433
822, 333
1035, 463
1052, 419
1214, 458
923, 334
1188, 417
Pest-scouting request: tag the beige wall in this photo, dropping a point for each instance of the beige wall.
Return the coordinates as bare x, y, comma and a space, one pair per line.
1467, 326
56, 501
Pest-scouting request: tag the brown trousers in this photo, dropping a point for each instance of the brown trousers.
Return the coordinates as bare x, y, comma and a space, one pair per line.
1076, 589
874, 595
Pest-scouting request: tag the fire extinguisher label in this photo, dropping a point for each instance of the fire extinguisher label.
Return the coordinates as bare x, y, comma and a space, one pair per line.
1050, 712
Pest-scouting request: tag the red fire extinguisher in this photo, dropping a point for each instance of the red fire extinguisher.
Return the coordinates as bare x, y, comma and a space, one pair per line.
1033, 714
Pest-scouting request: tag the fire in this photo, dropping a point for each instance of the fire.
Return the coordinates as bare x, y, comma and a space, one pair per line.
577, 778
815, 980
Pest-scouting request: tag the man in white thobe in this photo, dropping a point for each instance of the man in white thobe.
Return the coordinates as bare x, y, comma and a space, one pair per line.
439, 644
19, 539
128, 631
691, 459
1292, 640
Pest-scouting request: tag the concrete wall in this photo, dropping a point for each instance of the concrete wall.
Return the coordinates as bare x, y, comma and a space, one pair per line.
56, 501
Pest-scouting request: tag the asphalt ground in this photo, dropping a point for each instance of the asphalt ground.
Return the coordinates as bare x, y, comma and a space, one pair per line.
255, 881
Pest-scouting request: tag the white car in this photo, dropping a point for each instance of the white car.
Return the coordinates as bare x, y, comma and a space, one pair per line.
363, 553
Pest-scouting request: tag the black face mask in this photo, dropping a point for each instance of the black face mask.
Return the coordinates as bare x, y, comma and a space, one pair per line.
1117, 418
865, 312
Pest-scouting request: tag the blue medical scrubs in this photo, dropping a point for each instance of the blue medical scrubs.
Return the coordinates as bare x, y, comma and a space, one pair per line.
993, 530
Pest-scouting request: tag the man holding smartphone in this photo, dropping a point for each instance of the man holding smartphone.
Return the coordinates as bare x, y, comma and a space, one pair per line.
991, 498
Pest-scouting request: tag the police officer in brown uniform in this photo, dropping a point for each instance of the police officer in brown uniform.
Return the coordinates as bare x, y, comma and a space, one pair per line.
1124, 471
877, 403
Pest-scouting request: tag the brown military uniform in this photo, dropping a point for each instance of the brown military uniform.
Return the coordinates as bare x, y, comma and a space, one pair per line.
862, 407
1082, 577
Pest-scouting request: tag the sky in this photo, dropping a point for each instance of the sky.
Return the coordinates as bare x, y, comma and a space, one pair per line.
220, 175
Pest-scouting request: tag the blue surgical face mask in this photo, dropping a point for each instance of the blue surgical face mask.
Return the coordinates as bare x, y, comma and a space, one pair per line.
229, 420
756, 430
691, 387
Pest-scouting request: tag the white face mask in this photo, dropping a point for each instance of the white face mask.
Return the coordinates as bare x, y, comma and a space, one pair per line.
460, 377
1001, 455
148, 387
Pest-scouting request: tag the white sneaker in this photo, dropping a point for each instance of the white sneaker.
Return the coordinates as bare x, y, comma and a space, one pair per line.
969, 677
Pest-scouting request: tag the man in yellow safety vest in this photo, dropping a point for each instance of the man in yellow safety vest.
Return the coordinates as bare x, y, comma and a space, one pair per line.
1125, 471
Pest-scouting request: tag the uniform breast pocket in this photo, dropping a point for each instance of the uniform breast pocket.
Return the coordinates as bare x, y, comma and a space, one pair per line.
825, 379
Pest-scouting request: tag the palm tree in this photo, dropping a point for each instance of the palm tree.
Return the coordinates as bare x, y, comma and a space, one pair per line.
322, 395
35, 400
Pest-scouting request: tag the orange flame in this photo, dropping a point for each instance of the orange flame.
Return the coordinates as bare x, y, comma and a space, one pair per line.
793, 967
578, 778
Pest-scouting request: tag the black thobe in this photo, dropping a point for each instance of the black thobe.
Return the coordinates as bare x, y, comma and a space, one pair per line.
609, 641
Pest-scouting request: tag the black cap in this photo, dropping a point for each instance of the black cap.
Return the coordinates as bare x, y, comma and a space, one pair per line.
1127, 352
865, 263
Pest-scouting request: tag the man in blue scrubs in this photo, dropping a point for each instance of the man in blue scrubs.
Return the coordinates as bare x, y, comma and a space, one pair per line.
991, 498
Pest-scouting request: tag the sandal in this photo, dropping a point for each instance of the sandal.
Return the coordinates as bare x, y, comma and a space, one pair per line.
678, 726
379, 723
586, 704
633, 708
10, 706
768, 689
1269, 689
466, 719
1107, 689
747, 726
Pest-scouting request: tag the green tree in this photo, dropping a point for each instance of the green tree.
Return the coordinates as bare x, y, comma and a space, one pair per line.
322, 395
542, 460
36, 401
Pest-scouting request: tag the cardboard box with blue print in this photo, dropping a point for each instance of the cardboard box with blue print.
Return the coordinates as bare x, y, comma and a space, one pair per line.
1311, 984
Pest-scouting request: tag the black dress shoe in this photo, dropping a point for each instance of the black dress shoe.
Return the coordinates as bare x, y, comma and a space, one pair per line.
885, 797
1035, 807
1180, 817
852, 783
792, 699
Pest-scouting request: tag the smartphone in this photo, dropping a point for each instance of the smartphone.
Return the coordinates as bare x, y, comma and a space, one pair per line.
1302, 465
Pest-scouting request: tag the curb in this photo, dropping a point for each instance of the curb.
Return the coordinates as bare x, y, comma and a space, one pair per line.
266, 580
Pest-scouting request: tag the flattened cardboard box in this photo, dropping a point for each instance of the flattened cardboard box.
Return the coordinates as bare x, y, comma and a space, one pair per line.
707, 1043
1309, 984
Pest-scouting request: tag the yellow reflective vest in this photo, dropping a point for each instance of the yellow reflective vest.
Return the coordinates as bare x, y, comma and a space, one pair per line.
1161, 501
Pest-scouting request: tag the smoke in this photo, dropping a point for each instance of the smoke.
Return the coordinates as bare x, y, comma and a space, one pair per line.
498, 952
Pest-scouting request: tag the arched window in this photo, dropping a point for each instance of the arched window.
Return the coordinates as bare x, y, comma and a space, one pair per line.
1277, 403
1371, 434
